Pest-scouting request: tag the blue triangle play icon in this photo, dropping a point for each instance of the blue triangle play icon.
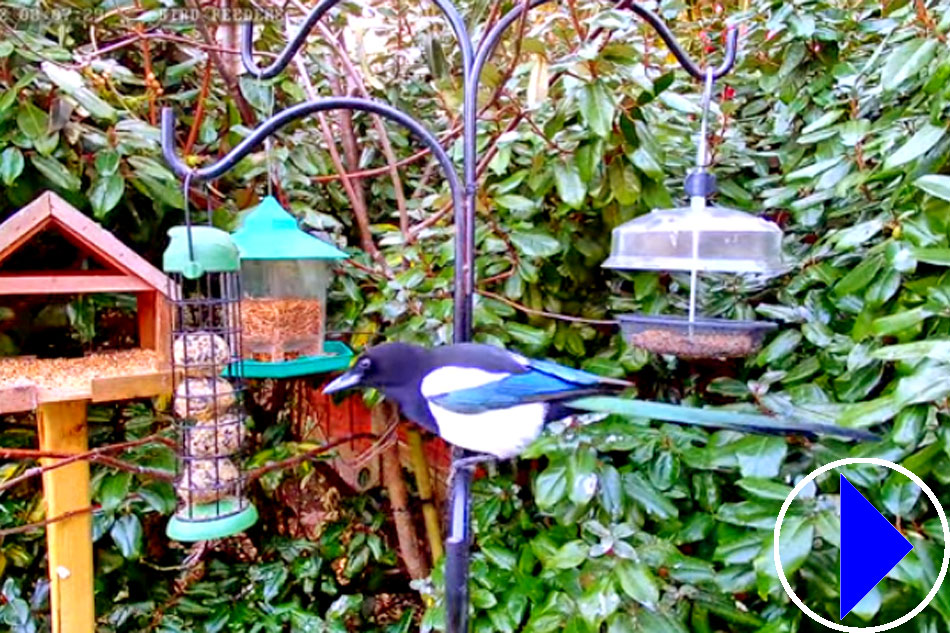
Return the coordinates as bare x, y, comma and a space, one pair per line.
870, 547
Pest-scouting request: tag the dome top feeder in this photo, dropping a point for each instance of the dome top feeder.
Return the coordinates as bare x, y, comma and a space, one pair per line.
697, 238
285, 273
728, 241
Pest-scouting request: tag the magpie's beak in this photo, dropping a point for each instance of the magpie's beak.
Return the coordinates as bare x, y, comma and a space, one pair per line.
348, 380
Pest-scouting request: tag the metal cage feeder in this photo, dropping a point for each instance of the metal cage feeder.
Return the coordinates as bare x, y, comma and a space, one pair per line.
207, 382
697, 238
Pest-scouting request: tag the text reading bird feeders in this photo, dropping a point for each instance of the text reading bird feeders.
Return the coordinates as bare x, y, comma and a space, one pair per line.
59, 389
697, 238
206, 360
285, 272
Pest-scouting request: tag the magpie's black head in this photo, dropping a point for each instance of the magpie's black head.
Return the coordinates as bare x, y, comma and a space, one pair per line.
386, 367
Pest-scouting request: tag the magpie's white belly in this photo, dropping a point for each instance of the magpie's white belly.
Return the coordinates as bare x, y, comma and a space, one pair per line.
501, 432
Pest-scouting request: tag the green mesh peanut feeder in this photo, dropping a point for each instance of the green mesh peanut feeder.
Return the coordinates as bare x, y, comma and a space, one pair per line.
203, 265
285, 273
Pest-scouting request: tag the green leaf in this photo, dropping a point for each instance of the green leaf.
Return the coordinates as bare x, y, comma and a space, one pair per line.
610, 492
638, 582
815, 169
859, 276
646, 163
795, 545
114, 489
906, 61
535, 243
679, 103
780, 347
127, 534
597, 108
500, 557
570, 187
258, 93
55, 172
11, 165
71, 83
899, 494
550, 487
528, 335
935, 349
853, 132
483, 599
583, 479
921, 142
32, 121
869, 605
936, 185
105, 194
514, 202
760, 456
107, 162
764, 488
823, 121
644, 494
624, 182
900, 321
570, 555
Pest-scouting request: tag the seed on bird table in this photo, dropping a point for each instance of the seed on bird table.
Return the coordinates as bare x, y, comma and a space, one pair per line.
224, 437
201, 353
277, 329
207, 480
697, 345
203, 398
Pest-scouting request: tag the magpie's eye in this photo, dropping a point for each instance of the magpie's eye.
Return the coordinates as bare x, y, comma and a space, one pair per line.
364, 363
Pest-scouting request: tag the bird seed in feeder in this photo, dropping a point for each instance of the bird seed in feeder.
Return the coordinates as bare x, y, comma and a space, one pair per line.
703, 338
203, 398
207, 480
211, 440
201, 353
274, 330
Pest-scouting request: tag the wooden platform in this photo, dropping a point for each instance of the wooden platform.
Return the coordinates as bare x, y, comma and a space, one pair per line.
26, 383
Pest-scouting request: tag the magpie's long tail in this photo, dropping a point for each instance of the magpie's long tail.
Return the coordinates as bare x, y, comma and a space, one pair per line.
714, 418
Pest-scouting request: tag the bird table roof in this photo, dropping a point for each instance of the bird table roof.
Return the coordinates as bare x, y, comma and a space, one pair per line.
125, 270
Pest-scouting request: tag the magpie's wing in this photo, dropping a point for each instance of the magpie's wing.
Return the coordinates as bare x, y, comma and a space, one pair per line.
543, 381
572, 375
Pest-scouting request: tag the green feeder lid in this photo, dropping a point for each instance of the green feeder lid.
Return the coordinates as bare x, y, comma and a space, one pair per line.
270, 232
205, 523
214, 252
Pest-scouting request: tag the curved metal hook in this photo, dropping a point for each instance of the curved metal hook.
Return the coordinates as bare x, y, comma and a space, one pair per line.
282, 118
286, 55
729, 56
488, 44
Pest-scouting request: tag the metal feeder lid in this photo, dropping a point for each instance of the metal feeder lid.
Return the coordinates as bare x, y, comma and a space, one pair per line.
270, 232
211, 251
728, 241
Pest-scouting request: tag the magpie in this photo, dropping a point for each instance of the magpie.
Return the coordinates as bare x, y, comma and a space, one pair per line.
478, 397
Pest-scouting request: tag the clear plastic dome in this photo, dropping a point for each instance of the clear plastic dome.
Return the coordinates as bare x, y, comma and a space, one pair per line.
727, 241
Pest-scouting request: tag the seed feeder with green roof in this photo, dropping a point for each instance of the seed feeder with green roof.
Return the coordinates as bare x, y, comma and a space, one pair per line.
285, 273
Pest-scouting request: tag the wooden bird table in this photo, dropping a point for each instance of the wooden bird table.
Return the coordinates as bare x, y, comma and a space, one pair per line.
59, 389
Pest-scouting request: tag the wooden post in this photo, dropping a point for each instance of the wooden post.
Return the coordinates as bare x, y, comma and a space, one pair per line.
62, 427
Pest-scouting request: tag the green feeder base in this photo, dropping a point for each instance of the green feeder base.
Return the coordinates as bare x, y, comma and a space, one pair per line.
337, 357
203, 526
